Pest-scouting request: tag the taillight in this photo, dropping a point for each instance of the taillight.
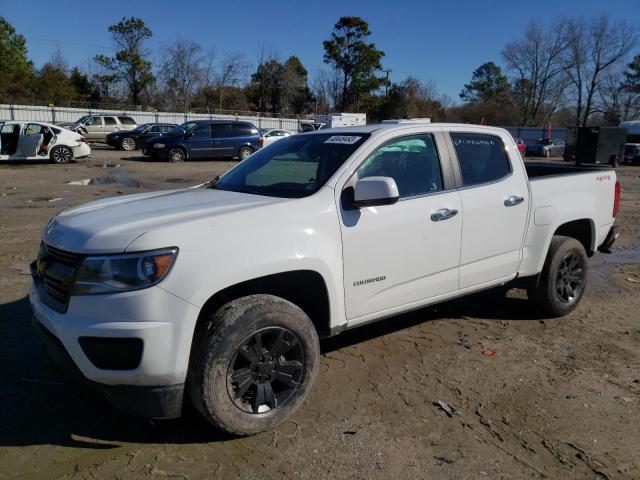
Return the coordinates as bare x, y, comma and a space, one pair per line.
261, 141
616, 199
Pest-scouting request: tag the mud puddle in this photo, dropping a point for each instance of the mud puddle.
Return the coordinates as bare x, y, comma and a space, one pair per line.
178, 180
121, 177
603, 266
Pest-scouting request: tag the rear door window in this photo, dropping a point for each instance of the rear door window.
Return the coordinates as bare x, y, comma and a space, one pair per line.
483, 158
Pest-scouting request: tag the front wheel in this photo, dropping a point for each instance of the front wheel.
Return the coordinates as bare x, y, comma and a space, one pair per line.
61, 154
245, 152
563, 279
177, 155
254, 364
128, 144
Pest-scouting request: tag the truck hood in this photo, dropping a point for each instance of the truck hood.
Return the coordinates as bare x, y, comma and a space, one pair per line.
110, 225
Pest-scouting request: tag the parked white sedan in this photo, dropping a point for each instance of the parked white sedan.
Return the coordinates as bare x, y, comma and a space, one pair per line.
23, 140
271, 136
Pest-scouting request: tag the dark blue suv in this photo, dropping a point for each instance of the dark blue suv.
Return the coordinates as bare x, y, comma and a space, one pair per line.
205, 139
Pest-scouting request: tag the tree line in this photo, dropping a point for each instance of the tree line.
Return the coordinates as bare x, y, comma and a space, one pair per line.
570, 72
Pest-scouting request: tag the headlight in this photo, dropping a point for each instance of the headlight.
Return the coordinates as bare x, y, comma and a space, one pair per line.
123, 273
158, 145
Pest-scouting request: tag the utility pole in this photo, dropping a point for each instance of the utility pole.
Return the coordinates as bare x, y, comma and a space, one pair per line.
386, 85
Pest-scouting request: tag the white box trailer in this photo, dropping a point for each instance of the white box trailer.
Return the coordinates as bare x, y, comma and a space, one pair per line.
336, 120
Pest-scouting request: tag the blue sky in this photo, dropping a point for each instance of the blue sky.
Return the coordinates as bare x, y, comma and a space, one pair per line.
440, 40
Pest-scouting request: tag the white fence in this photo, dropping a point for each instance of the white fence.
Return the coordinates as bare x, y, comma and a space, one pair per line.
63, 114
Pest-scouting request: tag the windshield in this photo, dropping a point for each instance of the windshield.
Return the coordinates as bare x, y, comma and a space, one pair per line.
83, 119
183, 128
142, 128
294, 167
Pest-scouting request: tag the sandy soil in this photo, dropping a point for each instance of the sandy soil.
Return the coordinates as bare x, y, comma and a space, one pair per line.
560, 399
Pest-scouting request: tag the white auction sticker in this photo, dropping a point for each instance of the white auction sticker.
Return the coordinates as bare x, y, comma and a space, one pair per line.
343, 139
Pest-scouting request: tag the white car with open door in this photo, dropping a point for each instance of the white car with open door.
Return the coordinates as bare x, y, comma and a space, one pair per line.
22, 140
271, 136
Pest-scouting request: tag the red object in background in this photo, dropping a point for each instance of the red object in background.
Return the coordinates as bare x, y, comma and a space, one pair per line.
616, 199
488, 352
522, 147
549, 132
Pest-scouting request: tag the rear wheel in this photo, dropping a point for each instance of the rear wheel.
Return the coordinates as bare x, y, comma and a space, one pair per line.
128, 144
245, 152
176, 155
547, 153
563, 278
254, 365
61, 154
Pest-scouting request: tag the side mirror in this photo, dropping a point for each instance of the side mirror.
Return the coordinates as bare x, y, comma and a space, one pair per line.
374, 191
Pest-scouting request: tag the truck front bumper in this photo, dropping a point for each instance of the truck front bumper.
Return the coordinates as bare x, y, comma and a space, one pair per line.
133, 347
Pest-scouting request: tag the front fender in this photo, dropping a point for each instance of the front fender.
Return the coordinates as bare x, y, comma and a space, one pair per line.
227, 249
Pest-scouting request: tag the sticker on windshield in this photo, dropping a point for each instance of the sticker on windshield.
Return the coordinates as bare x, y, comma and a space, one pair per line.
343, 139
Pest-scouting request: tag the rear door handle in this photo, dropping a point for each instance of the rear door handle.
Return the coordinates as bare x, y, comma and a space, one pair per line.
513, 200
443, 214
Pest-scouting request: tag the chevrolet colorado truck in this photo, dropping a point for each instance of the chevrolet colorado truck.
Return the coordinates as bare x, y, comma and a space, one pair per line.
220, 293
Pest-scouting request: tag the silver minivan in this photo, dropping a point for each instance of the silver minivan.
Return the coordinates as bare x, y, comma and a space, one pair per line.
96, 127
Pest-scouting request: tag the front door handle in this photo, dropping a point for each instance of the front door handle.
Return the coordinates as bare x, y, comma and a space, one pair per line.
513, 200
443, 214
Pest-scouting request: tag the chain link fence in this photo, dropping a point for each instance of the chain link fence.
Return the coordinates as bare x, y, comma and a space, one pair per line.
57, 115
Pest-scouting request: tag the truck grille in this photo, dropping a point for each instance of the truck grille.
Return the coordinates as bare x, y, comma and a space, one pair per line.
56, 270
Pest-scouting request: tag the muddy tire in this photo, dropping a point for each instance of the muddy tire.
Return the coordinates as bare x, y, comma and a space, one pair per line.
176, 155
128, 144
244, 153
254, 363
563, 279
61, 154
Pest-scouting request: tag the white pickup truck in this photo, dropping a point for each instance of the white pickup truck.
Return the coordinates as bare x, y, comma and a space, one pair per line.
221, 292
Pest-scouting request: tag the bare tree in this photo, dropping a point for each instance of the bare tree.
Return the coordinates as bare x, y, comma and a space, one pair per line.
537, 61
58, 61
616, 102
594, 48
228, 74
327, 88
182, 70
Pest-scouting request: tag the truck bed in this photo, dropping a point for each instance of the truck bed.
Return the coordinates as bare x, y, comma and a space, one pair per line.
561, 193
537, 170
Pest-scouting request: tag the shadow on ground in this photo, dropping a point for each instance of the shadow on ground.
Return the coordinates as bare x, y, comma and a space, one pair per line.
40, 407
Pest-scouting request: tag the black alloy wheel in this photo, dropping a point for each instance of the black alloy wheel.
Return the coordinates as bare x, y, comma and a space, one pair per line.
266, 370
570, 278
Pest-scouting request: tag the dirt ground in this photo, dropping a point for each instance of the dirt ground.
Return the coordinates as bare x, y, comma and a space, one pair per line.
560, 398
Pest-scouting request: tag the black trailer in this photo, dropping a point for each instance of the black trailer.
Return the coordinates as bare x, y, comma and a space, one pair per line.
597, 145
